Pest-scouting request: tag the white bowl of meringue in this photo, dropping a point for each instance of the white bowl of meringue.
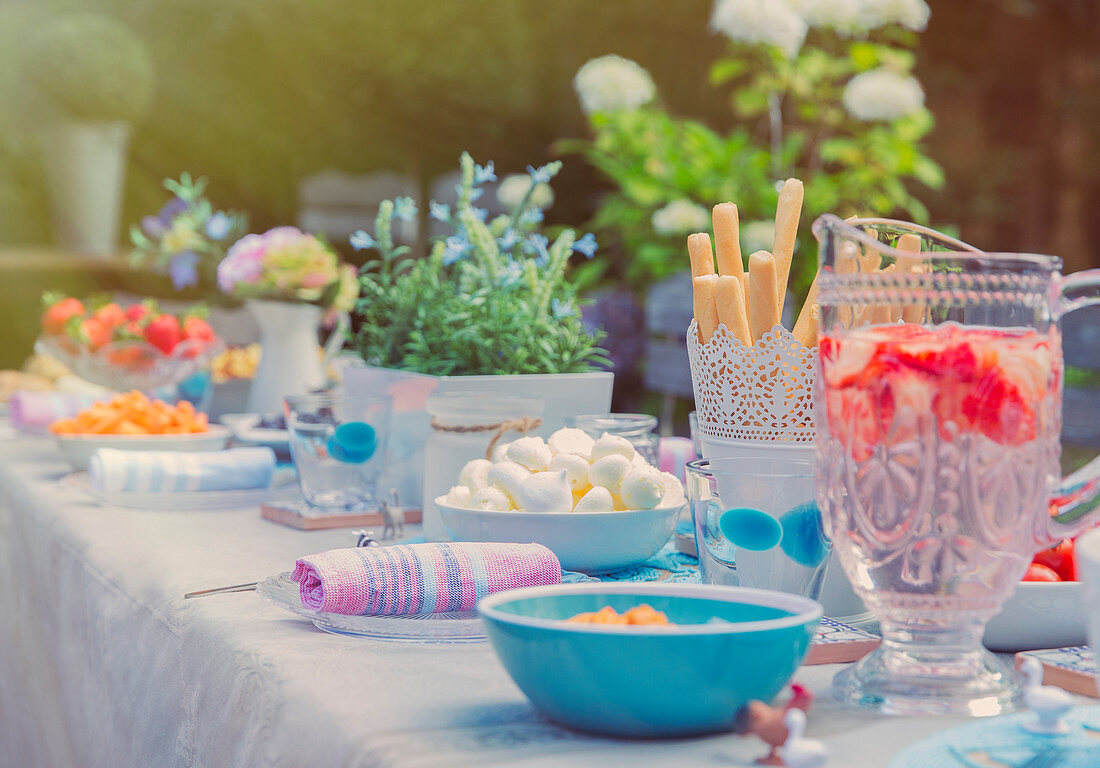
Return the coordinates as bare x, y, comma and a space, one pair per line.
595, 503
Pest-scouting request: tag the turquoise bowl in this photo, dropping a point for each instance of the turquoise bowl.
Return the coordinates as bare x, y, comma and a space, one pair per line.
728, 645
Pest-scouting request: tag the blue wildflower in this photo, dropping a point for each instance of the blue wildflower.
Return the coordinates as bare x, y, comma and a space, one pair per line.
182, 269
511, 274
171, 210
475, 193
361, 241
455, 248
152, 226
537, 244
539, 175
218, 226
586, 246
404, 208
508, 240
439, 211
480, 213
562, 309
531, 217
484, 173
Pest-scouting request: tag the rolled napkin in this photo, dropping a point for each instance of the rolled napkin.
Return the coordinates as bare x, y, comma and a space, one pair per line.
419, 578
113, 470
34, 411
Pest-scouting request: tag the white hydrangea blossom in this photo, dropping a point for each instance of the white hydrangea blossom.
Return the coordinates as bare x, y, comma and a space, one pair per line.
760, 21
512, 188
882, 94
611, 83
757, 236
680, 217
912, 14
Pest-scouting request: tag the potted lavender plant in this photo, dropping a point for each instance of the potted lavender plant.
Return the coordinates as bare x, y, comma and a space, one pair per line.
491, 308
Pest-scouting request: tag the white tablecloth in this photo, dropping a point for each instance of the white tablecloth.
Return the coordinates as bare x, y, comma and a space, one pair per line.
102, 662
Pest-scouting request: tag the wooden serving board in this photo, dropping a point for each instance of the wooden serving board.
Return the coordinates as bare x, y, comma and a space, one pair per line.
298, 514
1073, 669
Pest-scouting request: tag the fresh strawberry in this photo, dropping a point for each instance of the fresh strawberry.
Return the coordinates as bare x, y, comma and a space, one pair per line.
143, 311
94, 333
1061, 559
111, 315
164, 333
998, 408
1036, 572
56, 317
197, 329
130, 330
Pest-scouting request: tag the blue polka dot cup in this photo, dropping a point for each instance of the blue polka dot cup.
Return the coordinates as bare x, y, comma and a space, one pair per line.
757, 524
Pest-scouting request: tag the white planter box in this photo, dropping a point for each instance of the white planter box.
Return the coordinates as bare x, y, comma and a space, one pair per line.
565, 394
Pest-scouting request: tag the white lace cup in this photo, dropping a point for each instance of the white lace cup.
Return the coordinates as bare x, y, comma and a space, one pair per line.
763, 392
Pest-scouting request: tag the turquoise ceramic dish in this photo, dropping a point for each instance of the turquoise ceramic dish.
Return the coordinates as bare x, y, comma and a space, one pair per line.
729, 645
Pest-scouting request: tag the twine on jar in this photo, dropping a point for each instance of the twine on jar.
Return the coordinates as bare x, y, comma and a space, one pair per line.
521, 425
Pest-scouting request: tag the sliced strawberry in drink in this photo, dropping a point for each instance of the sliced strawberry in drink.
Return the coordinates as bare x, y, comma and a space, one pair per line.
845, 360
998, 407
852, 418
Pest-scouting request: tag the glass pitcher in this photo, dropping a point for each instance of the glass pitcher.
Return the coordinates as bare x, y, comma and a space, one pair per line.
939, 402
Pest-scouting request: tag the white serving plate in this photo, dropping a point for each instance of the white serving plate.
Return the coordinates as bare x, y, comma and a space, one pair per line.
590, 542
459, 627
283, 484
78, 449
1039, 615
244, 429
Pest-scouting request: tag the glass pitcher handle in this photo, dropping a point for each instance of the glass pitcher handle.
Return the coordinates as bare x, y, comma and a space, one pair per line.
1073, 504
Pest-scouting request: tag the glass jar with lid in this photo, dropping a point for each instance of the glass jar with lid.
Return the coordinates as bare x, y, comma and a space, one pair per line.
463, 426
638, 428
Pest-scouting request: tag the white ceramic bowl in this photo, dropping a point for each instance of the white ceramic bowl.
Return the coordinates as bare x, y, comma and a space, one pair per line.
78, 449
590, 542
1039, 615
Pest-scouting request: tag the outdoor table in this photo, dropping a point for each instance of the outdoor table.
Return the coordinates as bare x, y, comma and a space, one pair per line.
103, 663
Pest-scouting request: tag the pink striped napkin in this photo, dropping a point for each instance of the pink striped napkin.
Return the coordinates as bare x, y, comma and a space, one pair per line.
419, 578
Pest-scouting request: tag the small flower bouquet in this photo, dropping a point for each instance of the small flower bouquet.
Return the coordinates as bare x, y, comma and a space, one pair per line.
491, 298
288, 265
187, 238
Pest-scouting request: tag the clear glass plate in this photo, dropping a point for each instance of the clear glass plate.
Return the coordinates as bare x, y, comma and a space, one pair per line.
461, 627
284, 483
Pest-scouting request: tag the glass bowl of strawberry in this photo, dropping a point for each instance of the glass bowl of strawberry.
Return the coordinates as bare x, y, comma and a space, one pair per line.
124, 348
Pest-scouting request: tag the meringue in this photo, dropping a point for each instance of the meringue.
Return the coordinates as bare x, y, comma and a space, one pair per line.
596, 500
531, 452
609, 471
459, 496
545, 492
475, 475
642, 488
576, 470
673, 490
500, 452
507, 476
490, 499
612, 445
571, 440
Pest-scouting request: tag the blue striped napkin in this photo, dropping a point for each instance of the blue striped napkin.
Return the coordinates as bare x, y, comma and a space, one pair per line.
112, 470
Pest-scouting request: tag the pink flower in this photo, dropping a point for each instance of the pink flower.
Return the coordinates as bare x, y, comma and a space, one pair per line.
315, 280
244, 263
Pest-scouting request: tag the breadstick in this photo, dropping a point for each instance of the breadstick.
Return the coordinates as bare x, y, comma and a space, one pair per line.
706, 310
910, 243
726, 242
702, 261
805, 328
731, 308
787, 214
763, 302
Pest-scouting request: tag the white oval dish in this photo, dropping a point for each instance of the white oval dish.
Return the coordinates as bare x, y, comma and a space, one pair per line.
1039, 615
590, 542
78, 449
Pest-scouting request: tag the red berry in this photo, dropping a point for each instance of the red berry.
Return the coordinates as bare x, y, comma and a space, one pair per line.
111, 315
94, 333
1036, 572
56, 318
1060, 559
164, 333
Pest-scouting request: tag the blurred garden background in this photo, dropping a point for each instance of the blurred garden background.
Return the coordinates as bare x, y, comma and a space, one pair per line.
266, 97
